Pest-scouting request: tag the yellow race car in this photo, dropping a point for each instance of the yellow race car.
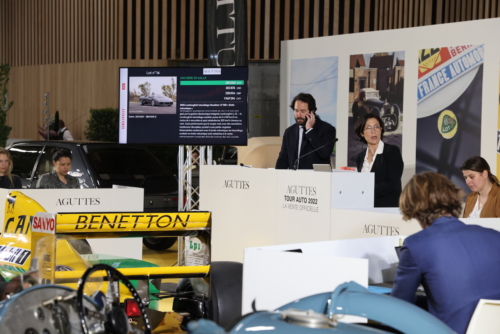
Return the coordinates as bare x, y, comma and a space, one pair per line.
34, 239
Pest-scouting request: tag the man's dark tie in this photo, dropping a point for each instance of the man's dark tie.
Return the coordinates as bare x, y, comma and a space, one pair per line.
303, 143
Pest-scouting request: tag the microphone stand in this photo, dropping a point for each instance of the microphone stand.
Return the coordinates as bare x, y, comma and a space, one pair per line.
296, 164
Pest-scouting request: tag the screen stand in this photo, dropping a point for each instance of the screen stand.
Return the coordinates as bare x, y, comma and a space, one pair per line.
189, 159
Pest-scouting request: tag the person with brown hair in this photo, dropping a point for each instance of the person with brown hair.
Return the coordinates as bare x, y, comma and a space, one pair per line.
8, 180
457, 264
484, 201
383, 159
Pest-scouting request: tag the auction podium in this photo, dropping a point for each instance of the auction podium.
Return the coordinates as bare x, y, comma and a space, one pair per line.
254, 207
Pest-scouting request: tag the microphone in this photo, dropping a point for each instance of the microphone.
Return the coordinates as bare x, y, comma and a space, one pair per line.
296, 164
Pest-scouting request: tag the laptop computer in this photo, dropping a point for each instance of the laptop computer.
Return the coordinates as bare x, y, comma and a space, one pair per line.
322, 167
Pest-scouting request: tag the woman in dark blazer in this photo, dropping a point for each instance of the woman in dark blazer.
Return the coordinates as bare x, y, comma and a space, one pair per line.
380, 158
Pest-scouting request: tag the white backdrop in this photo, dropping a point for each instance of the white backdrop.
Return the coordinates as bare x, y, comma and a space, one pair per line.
409, 40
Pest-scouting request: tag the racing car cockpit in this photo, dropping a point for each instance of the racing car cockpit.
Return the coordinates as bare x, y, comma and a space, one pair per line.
32, 308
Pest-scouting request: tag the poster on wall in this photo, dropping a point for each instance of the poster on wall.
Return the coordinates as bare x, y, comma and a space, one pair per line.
318, 77
498, 132
376, 86
449, 97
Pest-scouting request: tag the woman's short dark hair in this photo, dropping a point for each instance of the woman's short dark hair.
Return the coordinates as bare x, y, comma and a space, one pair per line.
429, 196
478, 164
59, 153
306, 98
359, 127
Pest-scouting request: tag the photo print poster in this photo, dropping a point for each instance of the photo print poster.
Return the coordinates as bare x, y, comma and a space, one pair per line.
376, 85
449, 103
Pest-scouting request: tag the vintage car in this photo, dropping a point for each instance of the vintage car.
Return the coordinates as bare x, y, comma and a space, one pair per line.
102, 165
320, 314
35, 308
369, 101
32, 237
156, 100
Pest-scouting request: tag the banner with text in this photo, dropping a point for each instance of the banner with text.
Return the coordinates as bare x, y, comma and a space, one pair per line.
226, 33
449, 95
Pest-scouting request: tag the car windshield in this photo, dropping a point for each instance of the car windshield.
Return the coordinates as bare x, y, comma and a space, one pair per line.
372, 95
160, 96
131, 166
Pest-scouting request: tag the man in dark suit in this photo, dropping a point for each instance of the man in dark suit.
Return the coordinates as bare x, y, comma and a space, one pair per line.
457, 264
309, 141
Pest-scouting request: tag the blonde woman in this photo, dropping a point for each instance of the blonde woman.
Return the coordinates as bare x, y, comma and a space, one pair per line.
8, 180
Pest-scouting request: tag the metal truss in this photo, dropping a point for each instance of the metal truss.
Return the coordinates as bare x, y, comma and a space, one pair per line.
190, 159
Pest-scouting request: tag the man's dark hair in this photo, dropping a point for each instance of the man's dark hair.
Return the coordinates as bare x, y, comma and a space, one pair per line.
306, 98
359, 127
61, 124
61, 153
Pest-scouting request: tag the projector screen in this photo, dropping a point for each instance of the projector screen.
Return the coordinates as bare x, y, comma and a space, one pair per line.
183, 105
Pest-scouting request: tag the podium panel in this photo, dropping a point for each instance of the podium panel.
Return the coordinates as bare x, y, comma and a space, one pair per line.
126, 199
254, 207
243, 205
352, 189
303, 206
367, 223
265, 285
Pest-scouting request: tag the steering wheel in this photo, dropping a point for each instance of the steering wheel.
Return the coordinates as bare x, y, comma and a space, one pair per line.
116, 320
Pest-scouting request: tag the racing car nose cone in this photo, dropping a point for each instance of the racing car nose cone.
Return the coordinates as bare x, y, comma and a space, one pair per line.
308, 318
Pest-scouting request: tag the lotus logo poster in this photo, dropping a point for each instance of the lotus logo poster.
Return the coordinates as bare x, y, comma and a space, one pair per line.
449, 95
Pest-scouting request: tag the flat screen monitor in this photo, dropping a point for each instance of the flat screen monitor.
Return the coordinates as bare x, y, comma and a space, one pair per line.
183, 105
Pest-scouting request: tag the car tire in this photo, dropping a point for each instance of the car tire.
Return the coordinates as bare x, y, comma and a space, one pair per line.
395, 111
375, 111
226, 286
159, 243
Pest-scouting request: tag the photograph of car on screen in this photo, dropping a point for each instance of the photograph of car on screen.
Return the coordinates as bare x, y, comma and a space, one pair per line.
152, 95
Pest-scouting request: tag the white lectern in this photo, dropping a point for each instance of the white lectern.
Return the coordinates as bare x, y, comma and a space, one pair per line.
260, 207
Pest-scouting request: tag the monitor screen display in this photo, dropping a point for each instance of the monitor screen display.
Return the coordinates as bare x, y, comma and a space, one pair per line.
183, 105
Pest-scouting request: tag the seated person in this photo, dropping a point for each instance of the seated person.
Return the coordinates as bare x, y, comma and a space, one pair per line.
59, 178
7, 179
457, 264
484, 201
383, 159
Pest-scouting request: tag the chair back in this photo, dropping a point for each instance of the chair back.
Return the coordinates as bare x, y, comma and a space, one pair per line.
485, 319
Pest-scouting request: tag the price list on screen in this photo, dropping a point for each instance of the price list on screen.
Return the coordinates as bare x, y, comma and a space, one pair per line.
212, 109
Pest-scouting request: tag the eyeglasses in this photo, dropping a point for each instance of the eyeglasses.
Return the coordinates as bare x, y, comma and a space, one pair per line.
301, 110
376, 128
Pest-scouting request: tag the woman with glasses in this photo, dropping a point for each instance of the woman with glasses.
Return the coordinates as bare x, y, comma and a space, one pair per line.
380, 158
